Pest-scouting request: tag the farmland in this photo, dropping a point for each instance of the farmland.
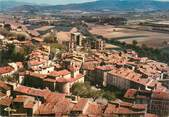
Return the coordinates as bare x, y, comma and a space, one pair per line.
151, 39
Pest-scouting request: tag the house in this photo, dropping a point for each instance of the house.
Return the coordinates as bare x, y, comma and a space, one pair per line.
42, 102
101, 74
63, 37
80, 107
6, 71
33, 33
120, 108
63, 80
88, 69
24, 90
24, 104
75, 41
157, 101
34, 79
5, 88
39, 61
59, 109
5, 102
100, 44
124, 78
16, 65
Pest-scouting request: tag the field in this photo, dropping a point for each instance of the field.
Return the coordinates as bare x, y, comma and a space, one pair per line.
151, 39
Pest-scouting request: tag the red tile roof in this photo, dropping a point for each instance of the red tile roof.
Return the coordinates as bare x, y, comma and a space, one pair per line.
59, 73
94, 109
36, 75
6, 69
105, 68
5, 101
20, 98
130, 75
130, 93
64, 80
32, 91
63, 107
36, 62
45, 109
118, 109
4, 86
54, 97
29, 104
82, 103
150, 115
160, 95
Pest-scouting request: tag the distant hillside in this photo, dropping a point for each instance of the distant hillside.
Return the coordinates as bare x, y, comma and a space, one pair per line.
100, 5
5, 5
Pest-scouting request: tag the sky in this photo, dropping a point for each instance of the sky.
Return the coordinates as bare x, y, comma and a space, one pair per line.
56, 2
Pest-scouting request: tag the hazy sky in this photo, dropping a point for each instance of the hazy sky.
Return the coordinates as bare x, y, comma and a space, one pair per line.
52, 1
57, 1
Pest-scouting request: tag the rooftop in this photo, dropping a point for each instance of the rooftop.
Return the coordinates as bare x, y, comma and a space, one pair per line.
4, 86
5, 101
80, 105
6, 69
59, 73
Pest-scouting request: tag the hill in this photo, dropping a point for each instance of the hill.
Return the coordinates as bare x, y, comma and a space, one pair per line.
5, 5
101, 5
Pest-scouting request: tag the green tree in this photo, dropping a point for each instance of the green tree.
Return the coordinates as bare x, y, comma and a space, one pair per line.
21, 37
109, 95
134, 42
7, 27
50, 38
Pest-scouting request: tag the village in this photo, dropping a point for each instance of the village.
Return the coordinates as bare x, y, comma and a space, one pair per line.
64, 73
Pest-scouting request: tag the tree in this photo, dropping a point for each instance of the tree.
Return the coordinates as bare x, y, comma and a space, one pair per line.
21, 37
134, 42
7, 27
109, 95
11, 54
144, 46
85, 90
50, 38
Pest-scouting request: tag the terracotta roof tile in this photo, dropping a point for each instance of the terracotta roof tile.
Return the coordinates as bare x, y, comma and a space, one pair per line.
45, 109
94, 109
160, 95
59, 73
29, 104
63, 107
36, 75
80, 105
106, 67
32, 91
4, 86
5, 101
65, 80
6, 69
130, 93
